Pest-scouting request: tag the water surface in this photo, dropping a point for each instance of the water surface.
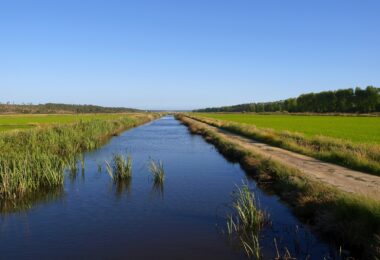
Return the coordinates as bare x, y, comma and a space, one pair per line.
184, 219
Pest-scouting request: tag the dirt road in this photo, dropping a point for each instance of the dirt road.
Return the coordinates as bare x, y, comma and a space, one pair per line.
344, 179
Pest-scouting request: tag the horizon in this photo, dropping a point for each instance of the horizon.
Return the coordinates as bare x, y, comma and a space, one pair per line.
184, 56
171, 109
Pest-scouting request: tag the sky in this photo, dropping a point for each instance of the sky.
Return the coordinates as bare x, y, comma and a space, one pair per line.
184, 54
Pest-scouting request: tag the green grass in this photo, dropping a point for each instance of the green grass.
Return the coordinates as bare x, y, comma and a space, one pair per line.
13, 127
10, 122
351, 128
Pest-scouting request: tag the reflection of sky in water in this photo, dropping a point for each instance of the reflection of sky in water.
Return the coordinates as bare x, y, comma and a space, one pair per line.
183, 218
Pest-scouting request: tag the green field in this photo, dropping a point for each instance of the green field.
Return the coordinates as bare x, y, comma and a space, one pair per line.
353, 128
10, 122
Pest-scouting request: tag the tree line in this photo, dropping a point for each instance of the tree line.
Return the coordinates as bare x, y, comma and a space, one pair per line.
341, 101
51, 108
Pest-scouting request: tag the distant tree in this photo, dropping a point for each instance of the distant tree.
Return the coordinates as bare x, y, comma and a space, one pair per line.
260, 108
343, 100
366, 100
252, 107
59, 108
325, 102
290, 105
306, 103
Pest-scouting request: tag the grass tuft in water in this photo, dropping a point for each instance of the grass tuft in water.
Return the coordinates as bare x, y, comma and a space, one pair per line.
120, 167
245, 223
157, 170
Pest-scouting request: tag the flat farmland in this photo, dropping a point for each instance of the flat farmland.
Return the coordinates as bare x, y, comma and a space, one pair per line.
17, 121
352, 128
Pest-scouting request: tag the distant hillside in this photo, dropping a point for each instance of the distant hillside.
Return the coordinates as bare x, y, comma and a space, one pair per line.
342, 101
51, 108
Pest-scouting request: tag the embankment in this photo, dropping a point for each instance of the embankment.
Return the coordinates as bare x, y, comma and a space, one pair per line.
350, 220
356, 156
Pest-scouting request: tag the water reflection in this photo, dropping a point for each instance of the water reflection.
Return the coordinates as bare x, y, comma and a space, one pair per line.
29, 201
73, 173
123, 186
157, 190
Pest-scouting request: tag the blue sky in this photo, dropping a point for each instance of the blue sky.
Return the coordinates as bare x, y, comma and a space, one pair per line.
184, 54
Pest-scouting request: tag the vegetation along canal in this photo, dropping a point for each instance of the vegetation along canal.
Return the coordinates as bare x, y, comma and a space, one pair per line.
184, 217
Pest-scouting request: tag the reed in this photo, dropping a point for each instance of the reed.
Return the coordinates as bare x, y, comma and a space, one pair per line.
156, 168
121, 168
246, 221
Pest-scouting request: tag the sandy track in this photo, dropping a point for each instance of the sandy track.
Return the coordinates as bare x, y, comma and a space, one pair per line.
342, 178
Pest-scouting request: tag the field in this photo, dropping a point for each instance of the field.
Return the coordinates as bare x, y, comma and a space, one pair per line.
348, 141
10, 122
352, 128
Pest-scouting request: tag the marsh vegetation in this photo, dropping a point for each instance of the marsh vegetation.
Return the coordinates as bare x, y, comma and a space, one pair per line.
156, 168
246, 221
121, 168
34, 160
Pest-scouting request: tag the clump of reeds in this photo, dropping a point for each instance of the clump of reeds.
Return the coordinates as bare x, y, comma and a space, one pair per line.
120, 168
157, 170
246, 221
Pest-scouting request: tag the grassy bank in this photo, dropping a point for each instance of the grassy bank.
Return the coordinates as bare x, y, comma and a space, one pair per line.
34, 160
350, 220
363, 157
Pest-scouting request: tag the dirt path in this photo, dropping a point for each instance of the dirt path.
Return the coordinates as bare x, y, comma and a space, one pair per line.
338, 176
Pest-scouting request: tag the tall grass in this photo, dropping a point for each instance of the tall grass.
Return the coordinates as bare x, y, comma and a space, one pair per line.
157, 170
351, 220
363, 157
34, 160
121, 168
246, 222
